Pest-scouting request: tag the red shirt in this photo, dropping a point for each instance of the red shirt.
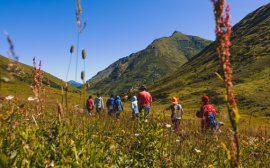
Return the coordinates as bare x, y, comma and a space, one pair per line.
145, 98
204, 115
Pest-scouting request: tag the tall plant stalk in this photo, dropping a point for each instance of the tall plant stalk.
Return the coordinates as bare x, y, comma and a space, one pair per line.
223, 33
71, 51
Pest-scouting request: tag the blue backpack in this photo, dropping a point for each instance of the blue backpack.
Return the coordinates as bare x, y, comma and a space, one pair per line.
212, 121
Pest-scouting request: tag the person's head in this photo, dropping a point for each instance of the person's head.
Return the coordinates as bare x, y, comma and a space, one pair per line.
142, 88
112, 96
134, 98
98, 95
205, 100
174, 100
90, 97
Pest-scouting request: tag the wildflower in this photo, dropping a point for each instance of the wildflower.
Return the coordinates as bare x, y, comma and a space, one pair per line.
251, 140
177, 140
9, 97
198, 151
221, 123
168, 125
71, 141
145, 120
123, 131
268, 140
210, 166
136, 134
30, 99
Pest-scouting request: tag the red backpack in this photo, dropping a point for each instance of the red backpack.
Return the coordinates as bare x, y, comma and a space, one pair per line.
89, 104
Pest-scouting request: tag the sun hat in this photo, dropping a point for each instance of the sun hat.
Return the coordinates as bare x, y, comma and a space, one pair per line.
174, 100
205, 99
143, 87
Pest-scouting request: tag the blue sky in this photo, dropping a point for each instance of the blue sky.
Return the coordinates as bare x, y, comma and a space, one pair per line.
116, 28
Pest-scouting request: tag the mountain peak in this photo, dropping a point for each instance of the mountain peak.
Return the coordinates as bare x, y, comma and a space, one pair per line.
176, 32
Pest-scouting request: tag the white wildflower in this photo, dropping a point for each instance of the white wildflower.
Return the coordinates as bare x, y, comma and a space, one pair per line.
177, 140
198, 151
136, 134
30, 99
145, 120
9, 97
168, 125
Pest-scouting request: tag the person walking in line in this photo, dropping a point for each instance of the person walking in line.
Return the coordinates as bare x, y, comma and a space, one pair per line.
118, 106
144, 101
134, 107
109, 105
177, 113
99, 103
208, 115
90, 105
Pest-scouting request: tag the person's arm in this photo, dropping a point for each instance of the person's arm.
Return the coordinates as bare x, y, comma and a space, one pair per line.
102, 104
93, 104
167, 108
131, 106
182, 111
151, 100
122, 107
200, 113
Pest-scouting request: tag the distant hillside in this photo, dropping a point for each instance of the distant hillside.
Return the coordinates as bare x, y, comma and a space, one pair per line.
250, 59
160, 58
75, 84
26, 79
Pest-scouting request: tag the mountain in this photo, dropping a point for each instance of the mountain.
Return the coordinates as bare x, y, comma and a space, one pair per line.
22, 83
75, 84
160, 58
250, 59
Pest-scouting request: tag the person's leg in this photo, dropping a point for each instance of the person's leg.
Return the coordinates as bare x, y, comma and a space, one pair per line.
117, 114
173, 122
178, 124
98, 110
147, 111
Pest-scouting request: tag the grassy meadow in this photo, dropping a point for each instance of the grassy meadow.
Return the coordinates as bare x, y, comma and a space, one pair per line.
63, 136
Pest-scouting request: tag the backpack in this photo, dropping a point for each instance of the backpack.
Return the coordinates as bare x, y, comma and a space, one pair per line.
89, 104
211, 118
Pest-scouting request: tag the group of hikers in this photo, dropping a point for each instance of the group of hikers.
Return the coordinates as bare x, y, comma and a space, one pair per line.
144, 101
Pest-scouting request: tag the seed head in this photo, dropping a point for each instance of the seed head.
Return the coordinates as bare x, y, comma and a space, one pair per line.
82, 75
60, 108
88, 85
83, 54
71, 49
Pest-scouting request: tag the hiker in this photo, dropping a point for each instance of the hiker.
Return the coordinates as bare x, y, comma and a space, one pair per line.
144, 100
177, 113
109, 104
118, 106
90, 104
99, 103
208, 115
134, 107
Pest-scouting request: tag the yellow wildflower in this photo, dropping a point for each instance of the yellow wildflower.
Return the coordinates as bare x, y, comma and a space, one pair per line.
123, 131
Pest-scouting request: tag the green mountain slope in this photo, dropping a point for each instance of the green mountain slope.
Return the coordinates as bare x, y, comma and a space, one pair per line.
160, 58
250, 59
26, 80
